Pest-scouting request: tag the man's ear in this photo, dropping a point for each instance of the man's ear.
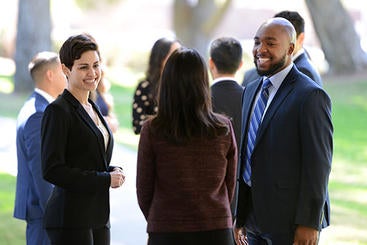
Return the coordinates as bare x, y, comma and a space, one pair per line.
49, 74
240, 65
300, 39
291, 48
211, 64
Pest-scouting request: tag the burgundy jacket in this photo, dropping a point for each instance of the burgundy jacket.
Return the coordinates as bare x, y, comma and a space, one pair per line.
186, 188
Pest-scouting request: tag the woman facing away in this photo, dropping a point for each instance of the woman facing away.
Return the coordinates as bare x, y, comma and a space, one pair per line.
144, 103
187, 160
76, 151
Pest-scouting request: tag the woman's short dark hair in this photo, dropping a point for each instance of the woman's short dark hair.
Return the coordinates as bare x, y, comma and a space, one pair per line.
73, 48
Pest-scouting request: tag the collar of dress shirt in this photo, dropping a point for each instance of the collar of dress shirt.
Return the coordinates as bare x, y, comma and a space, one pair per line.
277, 79
44, 94
222, 79
296, 55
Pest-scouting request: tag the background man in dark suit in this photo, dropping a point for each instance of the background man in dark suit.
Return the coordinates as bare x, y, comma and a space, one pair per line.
32, 191
225, 60
300, 57
283, 197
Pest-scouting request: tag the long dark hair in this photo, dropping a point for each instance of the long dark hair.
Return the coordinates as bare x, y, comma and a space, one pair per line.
158, 54
184, 100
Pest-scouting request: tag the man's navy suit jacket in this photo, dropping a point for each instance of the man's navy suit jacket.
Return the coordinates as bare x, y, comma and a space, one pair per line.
32, 191
291, 159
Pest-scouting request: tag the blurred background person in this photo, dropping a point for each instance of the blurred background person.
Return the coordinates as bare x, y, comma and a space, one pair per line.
187, 160
144, 103
224, 62
104, 100
77, 146
32, 191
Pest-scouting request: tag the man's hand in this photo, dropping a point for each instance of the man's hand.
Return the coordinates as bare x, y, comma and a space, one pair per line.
305, 236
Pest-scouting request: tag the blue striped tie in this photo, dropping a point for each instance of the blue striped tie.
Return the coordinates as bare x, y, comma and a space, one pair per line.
254, 125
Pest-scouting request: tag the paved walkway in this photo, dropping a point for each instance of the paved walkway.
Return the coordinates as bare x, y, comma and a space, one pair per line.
128, 223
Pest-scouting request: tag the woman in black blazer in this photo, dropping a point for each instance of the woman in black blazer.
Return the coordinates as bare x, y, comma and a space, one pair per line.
76, 152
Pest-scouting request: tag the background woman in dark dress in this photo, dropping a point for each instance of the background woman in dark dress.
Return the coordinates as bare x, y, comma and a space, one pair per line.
144, 103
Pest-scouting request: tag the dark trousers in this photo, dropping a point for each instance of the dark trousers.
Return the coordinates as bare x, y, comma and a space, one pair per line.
255, 238
99, 236
214, 237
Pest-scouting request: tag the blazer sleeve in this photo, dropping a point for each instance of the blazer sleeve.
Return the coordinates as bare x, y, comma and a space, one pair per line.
145, 174
317, 146
32, 138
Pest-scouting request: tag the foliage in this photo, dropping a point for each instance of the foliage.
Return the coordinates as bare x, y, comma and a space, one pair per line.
93, 4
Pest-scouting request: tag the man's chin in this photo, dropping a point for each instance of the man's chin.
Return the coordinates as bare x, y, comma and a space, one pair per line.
262, 72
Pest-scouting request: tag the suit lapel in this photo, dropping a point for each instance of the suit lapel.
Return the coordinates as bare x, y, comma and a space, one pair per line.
89, 122
105, 125
284, 90
248, 101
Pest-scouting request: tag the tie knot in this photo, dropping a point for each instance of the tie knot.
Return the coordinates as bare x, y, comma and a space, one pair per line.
266, 83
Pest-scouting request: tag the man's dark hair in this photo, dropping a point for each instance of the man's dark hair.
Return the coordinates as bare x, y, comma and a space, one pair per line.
295, 18
226, 53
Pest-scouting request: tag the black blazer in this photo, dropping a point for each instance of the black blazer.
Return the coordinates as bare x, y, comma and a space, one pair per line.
75, 160
291, 159
227, 100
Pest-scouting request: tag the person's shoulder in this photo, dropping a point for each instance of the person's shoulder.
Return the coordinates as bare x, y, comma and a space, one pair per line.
143, 87
63, 103
143, 84
305, 83
305, 65
147, 124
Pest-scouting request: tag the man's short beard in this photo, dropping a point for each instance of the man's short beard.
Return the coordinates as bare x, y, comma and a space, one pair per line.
274, 69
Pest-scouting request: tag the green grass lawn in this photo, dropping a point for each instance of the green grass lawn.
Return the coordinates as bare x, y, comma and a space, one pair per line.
11, 229
348, 179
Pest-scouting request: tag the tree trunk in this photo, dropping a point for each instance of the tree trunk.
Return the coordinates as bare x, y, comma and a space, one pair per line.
339, 40
33, 36
195, 21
